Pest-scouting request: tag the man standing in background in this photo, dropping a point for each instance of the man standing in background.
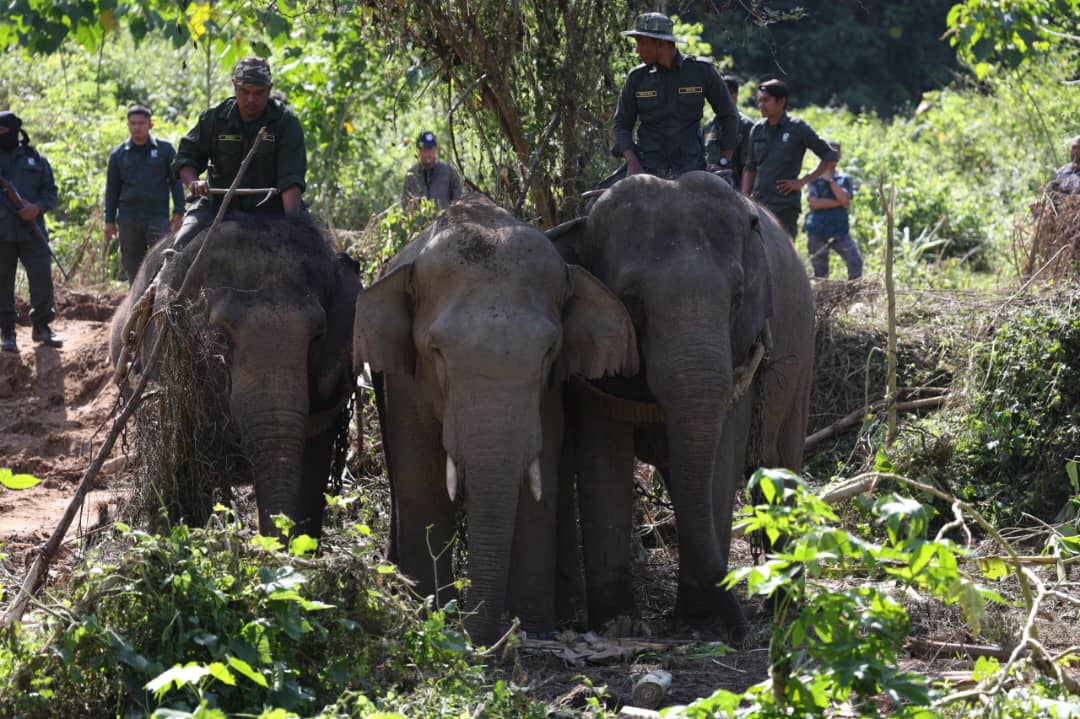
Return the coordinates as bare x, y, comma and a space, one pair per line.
138, 185
430, 178
778, 143
713, 155
23, 236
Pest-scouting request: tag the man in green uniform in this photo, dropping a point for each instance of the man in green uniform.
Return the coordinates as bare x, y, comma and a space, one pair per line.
778, 143
713, 155
138, 184
665, 96
32, 177
221, 140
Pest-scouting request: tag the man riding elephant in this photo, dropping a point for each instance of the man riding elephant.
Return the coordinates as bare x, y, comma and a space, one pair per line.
222, 138
665, 97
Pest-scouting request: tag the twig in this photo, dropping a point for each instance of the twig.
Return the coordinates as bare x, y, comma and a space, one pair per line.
526, 180
932, 649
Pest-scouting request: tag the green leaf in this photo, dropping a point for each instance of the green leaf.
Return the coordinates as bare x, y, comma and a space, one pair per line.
267, 544
244, 668
303, 544
386, 569
221, 672
254, 633
178, 676
1074, 479
984, 668
993, 568
883, 464
17, 481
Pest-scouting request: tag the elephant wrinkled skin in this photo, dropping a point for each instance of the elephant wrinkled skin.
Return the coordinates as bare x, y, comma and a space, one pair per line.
284, 303
473, 327
700, 269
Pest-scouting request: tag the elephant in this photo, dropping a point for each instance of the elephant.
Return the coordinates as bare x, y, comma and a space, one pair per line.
469, 334
706, 276
283, 303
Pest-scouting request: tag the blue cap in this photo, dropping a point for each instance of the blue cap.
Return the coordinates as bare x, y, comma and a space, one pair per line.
426, 139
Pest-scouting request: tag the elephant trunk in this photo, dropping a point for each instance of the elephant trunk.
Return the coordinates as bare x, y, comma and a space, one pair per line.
273, 421
493, 479
694, 390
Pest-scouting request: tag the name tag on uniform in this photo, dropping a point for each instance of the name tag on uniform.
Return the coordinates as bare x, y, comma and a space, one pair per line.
690, 90
645, 93
229, 138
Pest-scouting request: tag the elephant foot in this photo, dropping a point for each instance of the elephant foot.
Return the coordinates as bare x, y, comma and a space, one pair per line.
608, 602
712, 609
484, 631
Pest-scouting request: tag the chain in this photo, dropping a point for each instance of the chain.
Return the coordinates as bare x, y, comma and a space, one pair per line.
757, 538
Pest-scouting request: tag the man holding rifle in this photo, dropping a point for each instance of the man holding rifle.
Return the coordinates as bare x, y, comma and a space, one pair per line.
29, 191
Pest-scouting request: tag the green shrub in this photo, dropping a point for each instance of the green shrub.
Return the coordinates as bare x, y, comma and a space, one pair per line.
211, 621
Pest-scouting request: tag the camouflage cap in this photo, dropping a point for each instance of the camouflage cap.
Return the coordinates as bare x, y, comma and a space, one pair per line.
653, 24
254, 71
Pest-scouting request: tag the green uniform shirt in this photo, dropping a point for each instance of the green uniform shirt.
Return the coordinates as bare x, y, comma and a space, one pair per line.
221, 140
32, 176
139, 181
742, 147
776, 153
669, 105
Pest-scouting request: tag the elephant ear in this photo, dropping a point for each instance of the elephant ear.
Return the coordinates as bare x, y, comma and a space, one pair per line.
383, 336
757, 290
598, 336
335, 361
567, 239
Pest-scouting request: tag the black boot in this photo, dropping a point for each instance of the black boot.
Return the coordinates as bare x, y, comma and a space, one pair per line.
43, 335
7, 340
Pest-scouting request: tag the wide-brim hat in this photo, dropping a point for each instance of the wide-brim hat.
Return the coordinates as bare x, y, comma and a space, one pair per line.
653, 24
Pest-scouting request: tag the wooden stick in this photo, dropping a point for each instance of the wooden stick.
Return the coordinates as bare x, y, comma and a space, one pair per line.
856, 416
928, 648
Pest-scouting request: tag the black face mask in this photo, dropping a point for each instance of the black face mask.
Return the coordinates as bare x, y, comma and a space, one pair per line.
10, 139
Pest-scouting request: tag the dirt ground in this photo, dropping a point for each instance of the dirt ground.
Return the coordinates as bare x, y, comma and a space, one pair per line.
55, 407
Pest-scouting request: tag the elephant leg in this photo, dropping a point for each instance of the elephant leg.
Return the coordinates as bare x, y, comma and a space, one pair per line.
531, 594
605, 456
423, 513
569, 569
317, 460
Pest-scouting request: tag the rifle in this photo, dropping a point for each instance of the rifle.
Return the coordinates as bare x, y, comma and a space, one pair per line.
18, 202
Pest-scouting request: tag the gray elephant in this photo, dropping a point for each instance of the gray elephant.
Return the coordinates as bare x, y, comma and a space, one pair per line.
473, 327
700, 269
283, 302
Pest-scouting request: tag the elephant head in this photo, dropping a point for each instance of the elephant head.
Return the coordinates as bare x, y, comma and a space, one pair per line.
700, 270
283, 304
475, 324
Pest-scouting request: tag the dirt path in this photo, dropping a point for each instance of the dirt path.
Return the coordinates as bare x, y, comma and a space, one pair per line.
53, 407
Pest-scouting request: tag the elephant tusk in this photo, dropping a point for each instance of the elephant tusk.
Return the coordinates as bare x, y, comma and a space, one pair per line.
451, 479
534, 480
744, 374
